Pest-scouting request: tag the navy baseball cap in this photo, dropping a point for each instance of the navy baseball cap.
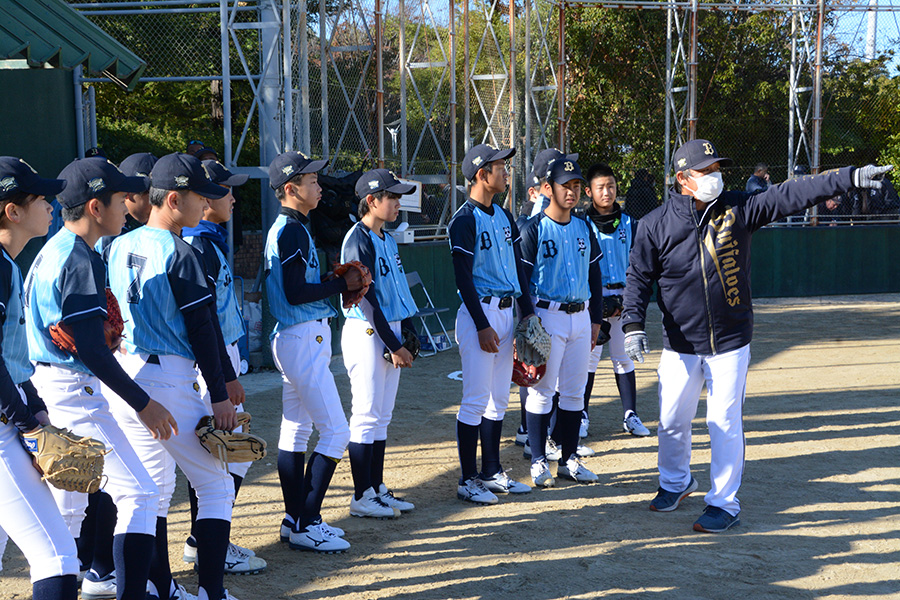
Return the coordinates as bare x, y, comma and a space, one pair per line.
139, 165
183, 172
220, 175
288, 165
481, 155
17, 176
381, 180
542, 163
563, 171
89, 177
698, 154
801, 170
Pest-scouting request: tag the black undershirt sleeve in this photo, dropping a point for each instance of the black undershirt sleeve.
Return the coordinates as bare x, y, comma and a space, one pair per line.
224, 359
35, 402
462, 268
298, 291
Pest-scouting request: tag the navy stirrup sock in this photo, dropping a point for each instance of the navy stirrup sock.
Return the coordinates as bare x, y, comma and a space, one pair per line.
61, 587
318, 477
467, 443
360, 467
212, 546
377, 472
568, 422
160, 572
130, 551
290, 473
588, 388
490, 446
537, 435
627, 391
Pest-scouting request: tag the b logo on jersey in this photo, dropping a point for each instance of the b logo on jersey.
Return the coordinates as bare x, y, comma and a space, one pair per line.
383, 267
486, 243
507, 234
550, 249
582, 246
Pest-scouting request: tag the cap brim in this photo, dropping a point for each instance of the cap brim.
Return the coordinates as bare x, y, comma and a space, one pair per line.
723, 162
567, 177
212, 191
132, 185
46, 187
314, 167
401, 189
235, 180
503, 154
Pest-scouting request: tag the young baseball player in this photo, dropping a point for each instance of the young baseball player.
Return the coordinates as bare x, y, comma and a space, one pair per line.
484, 242
562, 262
696, 246
301, 348
28, 512
171, 329
375, 324
67, 284
615, 233
210, 239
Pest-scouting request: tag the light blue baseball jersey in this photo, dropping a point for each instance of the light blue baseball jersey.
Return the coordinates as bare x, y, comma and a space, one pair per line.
157, 276
382, 257
488, 236
561, 255
289, 240
12, 312
66, 282
615, 247
218, 271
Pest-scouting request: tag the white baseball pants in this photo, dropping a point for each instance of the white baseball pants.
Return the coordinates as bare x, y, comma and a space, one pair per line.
620, 361
234, 356
681, 378
570, 349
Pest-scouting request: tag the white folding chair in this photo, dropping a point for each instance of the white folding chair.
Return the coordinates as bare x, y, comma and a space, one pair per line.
429, 310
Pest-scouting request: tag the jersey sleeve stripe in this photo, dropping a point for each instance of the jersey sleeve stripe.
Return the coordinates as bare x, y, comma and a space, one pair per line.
85, 312
186, 306
461, 249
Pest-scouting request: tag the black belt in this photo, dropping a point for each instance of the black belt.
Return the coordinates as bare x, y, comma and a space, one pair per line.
615, 286
153, 359
569, 308
505, 301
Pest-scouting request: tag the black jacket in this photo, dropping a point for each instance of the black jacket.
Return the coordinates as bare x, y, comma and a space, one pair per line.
701, 262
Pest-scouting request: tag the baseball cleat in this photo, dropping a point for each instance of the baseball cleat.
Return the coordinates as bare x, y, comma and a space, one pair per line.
229, 596
521, 436
239, 562
632, 424
667, 501
388, 497
540, 474
500, 483
716, 520
575, 470
371, 506
551, 451
287, 525
315, 538
95, 588
335, 531
473, 490
190, 550
583, 429
584, 451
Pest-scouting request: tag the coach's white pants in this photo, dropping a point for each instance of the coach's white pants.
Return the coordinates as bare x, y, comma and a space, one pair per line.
620, 361
486, 376
173, 383
373, 380
570, 349
309, 396
234, 356
29, 515
75, 401
681, 377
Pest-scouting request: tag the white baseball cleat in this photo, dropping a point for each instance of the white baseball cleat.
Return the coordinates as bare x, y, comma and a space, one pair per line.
93, 588
388, 497
583, 429
239, 562
551, 451
473, 490
632, 424
317, 539
584, 451
540, 474
501, 483
575, 470
182, 594
372, 506
286, 525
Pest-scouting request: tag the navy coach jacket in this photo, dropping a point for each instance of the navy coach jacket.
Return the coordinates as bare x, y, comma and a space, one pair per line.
701, 261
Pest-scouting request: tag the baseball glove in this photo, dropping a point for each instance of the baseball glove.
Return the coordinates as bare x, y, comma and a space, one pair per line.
612, 306
113, 326
532, 342
67, 461
350, 299
410, 341
231, 446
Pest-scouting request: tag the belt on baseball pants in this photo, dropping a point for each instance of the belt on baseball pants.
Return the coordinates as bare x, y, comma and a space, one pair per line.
504, 302
566, 307
153, 359
615, 286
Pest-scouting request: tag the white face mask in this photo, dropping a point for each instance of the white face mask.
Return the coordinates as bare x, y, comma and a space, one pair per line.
709, 187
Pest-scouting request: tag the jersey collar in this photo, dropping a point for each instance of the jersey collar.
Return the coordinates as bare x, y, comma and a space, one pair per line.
295, 214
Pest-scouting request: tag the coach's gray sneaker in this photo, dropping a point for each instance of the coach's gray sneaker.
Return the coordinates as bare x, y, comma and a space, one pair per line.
501, 483
575, 470
473, 490
242, 561
632, 424
317, 539
371, 506
551, 451
95, 588
540, 474
388, 497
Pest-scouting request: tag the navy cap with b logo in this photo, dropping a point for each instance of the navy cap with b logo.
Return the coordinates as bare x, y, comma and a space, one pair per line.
139, 165
17, 176
183, 172
381, 180
543, 161
563, 171
220, 175
480, 155
88, 178
288, 165
698, 154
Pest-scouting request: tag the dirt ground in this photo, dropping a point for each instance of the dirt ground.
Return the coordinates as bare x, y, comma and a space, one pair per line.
820, 497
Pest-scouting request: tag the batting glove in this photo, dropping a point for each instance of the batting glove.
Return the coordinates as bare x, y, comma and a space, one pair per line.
636, 344
870, 176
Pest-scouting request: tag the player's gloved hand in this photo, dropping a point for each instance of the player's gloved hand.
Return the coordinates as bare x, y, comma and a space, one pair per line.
489, 340
158, 420
870, 176
636, 345
235, 392
402, 358
354, 280
224, 415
